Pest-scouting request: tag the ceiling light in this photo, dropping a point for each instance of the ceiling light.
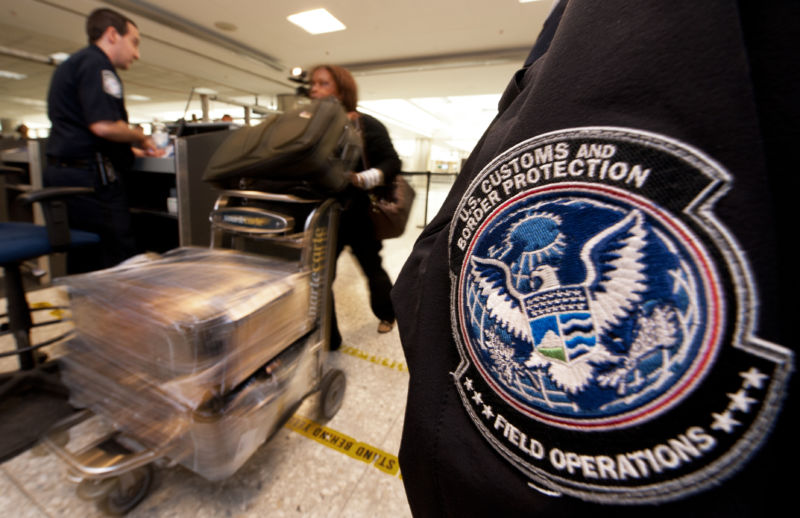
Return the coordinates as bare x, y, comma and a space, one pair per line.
40, 103
59, 57
316, 21
299, 76
137, 97
7, 74
202, 90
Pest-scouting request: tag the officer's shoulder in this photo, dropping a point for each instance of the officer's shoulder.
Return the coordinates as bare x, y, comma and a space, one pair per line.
87, 61
89, 57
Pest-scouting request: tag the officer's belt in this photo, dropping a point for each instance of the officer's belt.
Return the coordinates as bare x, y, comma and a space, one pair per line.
80, 163
101, 165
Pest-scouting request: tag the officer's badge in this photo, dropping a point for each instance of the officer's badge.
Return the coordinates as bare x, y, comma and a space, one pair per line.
111, 84
603, 317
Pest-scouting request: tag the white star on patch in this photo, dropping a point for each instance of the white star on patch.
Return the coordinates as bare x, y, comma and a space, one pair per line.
487, 411
468, 383
724, 422
740, 401
477, 398
753, 378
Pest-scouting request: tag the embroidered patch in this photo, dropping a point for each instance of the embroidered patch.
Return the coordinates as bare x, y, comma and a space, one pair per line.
603, 318
111, 84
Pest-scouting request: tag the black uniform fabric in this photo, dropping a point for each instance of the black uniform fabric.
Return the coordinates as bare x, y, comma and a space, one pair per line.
717, 76
86, 89
355, 225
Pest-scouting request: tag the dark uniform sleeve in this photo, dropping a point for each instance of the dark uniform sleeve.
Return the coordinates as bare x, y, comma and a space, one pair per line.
100, 92
484, 434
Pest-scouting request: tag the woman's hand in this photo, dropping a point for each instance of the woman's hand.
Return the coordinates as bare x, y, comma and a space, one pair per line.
368, 179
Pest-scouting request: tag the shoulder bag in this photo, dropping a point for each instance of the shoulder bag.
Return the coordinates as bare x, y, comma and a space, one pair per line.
389, 210
389, 214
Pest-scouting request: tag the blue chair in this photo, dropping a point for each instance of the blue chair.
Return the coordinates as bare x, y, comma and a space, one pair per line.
32, 398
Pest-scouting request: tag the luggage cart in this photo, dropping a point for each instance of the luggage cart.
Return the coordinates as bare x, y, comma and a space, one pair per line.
298, 237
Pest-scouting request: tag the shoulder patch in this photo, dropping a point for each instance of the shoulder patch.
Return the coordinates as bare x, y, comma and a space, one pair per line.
111, 84
604, 318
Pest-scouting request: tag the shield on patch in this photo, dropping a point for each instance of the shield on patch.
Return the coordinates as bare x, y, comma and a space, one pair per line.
111, 84
561, 325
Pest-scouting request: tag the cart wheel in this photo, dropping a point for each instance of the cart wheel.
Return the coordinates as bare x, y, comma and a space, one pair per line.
131, 489
95, 489
332, 393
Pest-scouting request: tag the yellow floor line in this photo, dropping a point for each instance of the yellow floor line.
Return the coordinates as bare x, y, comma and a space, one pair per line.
57, 312
377, 458
364, 355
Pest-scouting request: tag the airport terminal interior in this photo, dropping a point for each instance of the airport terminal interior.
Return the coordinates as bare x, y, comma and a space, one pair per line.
433, 77
602, 298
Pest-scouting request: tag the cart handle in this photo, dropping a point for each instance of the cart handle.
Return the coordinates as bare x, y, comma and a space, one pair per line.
261, 195
92, 462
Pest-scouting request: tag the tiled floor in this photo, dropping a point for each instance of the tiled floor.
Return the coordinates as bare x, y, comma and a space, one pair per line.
292, 474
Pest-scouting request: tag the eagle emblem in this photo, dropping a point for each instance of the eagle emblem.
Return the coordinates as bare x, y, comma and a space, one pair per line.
559, 321
578, 308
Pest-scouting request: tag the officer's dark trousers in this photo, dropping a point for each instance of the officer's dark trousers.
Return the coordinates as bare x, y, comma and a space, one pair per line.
104, 213
355, 231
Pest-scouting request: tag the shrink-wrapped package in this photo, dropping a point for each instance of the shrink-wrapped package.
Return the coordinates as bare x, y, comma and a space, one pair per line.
190, 350
196, 320
214, 438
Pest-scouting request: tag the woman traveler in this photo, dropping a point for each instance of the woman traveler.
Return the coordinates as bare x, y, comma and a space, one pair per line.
380, 165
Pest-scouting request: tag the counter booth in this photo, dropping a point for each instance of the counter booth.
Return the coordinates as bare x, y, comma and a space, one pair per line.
32, 396
169, 202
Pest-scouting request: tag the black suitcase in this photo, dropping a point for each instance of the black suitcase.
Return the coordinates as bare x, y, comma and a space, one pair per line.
310, 149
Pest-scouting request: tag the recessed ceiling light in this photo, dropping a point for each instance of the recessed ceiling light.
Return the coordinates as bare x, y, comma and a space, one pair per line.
137, 97
316, 21
59, 57
7, 74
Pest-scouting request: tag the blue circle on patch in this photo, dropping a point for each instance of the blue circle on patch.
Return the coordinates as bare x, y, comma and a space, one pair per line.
585, 306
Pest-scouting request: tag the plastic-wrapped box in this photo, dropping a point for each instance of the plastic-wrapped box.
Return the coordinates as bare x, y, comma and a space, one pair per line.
196, 321
203, 351
132, 401
213, 438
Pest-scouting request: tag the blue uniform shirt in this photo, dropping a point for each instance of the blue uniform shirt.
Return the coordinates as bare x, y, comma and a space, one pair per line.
86, 89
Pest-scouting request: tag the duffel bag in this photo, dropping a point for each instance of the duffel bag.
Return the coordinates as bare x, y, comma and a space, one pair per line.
310, 148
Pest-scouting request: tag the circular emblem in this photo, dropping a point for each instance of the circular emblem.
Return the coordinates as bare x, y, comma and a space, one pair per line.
603, 318
111, 84
586, 307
